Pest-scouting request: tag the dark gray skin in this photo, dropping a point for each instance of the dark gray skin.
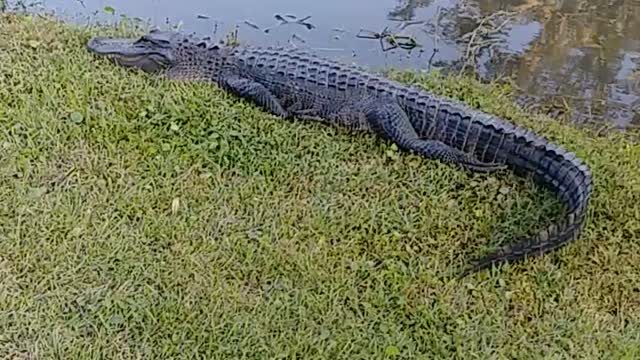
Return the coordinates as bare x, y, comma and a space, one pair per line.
295, 84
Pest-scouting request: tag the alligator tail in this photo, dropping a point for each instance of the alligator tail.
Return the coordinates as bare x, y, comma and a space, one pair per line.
559, 170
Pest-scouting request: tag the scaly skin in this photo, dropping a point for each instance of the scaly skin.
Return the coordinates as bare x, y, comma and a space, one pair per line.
296, 84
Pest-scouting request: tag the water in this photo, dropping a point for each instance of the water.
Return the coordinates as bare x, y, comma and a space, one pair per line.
577, 55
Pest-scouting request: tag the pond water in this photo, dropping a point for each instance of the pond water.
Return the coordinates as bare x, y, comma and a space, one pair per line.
581, 55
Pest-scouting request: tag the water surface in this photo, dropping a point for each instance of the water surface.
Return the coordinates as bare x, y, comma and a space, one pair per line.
581, 56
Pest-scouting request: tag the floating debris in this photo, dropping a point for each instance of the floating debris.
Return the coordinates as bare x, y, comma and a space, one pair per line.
280, 18
251, 24
309, 26
295, 20
403, 25
297, 37
405, 42
340, 31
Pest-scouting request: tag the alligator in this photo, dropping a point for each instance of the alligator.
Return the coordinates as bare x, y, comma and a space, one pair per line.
296, 84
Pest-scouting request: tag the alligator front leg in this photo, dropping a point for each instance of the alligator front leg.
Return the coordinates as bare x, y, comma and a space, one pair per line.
389, 120
257, 93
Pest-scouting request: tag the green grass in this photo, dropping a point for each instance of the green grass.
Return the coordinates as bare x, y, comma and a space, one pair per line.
142, 218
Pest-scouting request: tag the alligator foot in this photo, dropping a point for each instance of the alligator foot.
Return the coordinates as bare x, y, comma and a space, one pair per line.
445, 153
256, 92
389, 120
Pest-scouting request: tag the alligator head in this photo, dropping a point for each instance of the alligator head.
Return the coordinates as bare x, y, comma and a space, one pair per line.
151, 52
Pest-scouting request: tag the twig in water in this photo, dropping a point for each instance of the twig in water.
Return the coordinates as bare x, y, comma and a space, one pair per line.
435, 40
484, 36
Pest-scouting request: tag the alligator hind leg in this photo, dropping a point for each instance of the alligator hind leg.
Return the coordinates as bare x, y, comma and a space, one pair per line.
257, 93
389, 120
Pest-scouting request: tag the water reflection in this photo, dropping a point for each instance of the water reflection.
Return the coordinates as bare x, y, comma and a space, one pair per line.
578, 54
584, 55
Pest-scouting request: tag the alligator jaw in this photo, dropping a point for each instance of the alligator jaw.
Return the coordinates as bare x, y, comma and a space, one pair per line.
131, 53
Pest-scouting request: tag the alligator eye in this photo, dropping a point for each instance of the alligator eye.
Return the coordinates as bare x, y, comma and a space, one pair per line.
142, 39
155, 40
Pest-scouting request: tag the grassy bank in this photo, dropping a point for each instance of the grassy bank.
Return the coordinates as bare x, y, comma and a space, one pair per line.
148, 219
